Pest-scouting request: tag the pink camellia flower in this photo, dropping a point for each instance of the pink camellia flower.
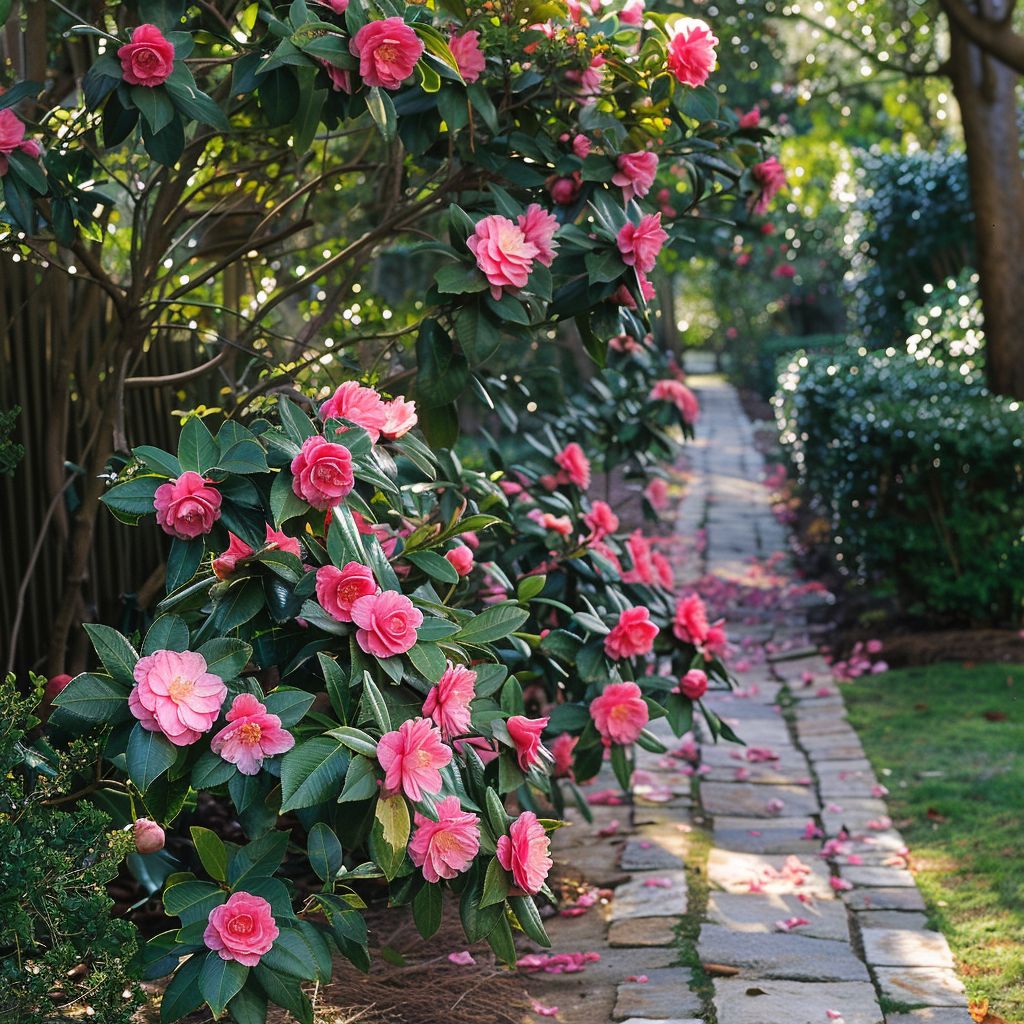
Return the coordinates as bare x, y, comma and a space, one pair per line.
640, 243
676, 392
632, 13
338, 6
641, 556
412, 757
525, 733
690, 623
633, 634
716, 642
483, 748
224, 564
252, 735
575, 465
337, 590
620, 713
694, 684
590, 79
148, 835
341, 78
663, 570
242, 929
691, 51
148, 59
446, 847
524, 852
12, 138
562, 748
581, 146
539, 227
176, 696
770, 177
558, 524
468, 56
751, 119
447, 703
388, 51
358, 404
461, 559
387, 623
635, 174
565, 191
322, 472
283, 542
502, 253
187, 507
399, 418
601, 520
784, 270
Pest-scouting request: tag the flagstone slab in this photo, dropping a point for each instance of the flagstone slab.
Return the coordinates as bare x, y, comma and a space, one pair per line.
857, 815
775, 835
780, 955
743, 799
665, 995
885, 899
736, 872
905, 947
757, 912
739, 1001
933, 986
875, 877
892, 919
932, 1015
642, 931
643, 853
650, 894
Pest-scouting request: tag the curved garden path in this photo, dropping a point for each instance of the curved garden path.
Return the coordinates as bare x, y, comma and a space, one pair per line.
774, 866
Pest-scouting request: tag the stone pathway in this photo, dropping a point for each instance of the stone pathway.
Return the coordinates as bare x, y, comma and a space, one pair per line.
775, 865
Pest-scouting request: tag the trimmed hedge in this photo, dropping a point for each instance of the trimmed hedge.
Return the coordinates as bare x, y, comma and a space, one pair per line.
921, 474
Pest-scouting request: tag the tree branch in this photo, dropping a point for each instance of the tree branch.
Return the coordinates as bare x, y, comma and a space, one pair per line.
995, 37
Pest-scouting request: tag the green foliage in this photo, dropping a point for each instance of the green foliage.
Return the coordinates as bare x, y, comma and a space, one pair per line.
11, 452
912, 225
60, 951
921, 473
947, 327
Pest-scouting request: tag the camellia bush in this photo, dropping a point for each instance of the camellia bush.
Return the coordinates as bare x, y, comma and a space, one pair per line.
385, 661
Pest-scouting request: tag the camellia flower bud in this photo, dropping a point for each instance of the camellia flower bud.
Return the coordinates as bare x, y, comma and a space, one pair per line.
149, 836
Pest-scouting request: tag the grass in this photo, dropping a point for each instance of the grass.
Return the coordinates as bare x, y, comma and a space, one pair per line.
948, 742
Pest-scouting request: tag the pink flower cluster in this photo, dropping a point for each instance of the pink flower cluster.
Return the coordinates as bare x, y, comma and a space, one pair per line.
556, 963
691, 51
364, 407
676, 392
388, 51
505, 251
635, 174
525, 852
447, 703
148, 59
412, 757
574, 466
632, 635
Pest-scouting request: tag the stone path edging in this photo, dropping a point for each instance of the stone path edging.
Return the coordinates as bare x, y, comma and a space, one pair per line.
775, 865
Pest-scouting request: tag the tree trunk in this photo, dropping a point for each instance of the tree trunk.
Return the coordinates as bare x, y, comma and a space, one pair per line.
986, 92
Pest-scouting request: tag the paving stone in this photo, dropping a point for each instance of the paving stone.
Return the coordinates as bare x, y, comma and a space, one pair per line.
578, 1001
742, 799
823, 725
854, 816
775, 835
651, 1020
884, 899
819, 749
755, 912
904, 947
874, 877
933, 986
931, 1015
595, 861
892, 919
793, 1002
646, 853
642, 896
735, 872
780, 955
665, 995
642, 931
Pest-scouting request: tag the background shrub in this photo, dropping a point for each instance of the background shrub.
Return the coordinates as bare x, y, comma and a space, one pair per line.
919, 470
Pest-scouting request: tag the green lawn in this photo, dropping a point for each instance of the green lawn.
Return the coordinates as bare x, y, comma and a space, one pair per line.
948, 741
